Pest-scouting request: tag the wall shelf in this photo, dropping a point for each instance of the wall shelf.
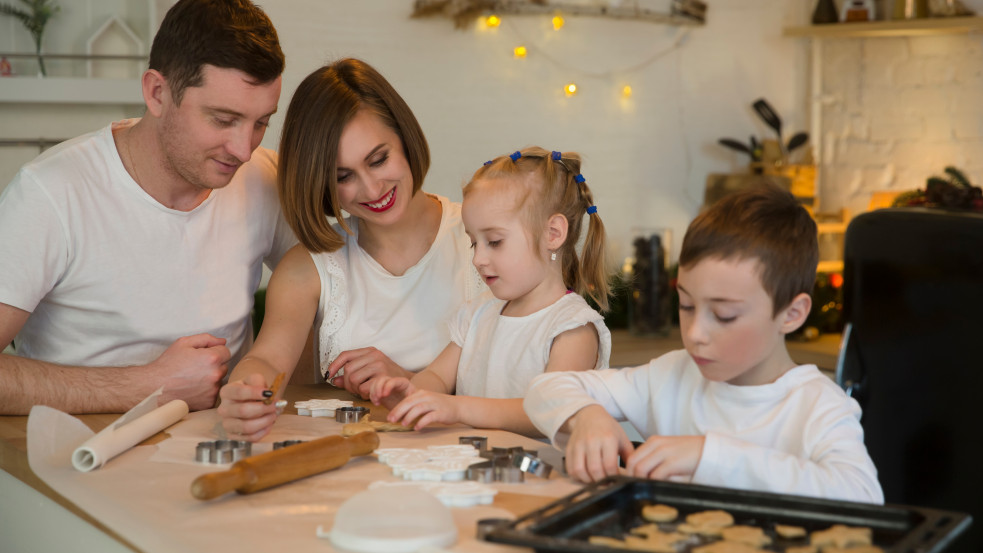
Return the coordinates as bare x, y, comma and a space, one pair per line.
67, 90
909, 27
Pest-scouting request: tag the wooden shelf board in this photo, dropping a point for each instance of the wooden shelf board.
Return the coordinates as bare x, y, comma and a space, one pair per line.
70, 90
909, 27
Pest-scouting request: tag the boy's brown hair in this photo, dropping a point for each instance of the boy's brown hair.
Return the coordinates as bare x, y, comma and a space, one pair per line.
765, 223
231, 34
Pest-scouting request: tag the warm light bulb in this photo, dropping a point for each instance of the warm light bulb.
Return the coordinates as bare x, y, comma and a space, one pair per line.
520, 51
570, 89
493, 21
557, 22
626, 91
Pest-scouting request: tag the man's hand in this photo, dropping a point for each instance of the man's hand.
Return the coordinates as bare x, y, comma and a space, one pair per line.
663, 456
361, 366
244, 415
596, 441
191, 369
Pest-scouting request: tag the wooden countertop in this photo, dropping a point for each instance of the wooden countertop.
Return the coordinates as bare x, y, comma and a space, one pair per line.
13, 454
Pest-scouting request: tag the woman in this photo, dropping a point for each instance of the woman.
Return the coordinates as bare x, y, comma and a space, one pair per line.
378, 286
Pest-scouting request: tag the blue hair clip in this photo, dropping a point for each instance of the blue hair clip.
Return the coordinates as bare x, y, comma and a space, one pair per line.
591, 209
515, 155
579, 178
556, 156
489, 162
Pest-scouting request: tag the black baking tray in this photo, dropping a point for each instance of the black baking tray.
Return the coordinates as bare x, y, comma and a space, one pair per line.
613, 506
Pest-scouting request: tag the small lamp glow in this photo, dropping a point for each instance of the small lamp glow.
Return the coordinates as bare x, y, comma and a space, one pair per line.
493, 21
626, 92
557, 22
520, 51
570, 89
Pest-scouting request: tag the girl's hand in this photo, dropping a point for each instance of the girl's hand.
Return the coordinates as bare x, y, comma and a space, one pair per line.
244, 415
663, 456
361, 367
596, 441
424, 407
389, 391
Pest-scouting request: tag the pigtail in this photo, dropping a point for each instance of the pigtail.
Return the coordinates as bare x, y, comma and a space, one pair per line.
593, 271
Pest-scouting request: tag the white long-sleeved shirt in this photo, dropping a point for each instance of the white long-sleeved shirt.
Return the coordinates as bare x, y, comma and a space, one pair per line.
798, 435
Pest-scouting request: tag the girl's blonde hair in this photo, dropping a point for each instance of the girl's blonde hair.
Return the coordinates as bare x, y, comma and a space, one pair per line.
547, 183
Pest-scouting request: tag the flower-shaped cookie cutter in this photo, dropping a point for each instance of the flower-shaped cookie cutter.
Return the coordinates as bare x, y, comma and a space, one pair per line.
220, 452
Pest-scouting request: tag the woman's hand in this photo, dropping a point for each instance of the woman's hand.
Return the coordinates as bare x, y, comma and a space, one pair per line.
361, 367
244, 415
596, 441
663, 456
424, 407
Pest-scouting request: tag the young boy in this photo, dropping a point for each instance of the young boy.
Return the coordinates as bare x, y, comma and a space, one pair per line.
732, 409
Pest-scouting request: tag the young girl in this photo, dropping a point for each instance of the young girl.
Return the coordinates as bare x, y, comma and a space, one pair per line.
523, 213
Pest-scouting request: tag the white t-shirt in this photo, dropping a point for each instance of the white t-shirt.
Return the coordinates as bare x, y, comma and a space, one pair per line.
111, 276
800, 434
500, 355
404, 317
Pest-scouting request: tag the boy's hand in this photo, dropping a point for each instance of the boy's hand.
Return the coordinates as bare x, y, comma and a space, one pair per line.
426, 407
663, 456
596, 441
389, 391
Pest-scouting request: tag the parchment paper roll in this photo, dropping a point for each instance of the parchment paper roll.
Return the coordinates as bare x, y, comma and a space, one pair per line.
125, 433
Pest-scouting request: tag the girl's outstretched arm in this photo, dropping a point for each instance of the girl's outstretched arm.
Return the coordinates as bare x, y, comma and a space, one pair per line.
573, 350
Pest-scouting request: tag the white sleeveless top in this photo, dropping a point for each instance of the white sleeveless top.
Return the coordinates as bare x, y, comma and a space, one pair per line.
500, 355
405, 317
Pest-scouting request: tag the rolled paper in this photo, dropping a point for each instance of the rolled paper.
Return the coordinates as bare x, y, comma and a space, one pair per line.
124, 434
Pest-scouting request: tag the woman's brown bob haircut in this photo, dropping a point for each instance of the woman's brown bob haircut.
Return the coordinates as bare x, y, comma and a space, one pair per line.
321, 107
765, 223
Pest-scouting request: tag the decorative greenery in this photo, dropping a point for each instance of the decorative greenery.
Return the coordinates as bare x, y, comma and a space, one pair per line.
34, 20
952, 192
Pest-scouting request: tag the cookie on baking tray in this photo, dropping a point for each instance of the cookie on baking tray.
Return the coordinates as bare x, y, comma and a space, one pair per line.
707, 523
802, 549
659, 513
727, 547
790, 532
840, 535
750, 535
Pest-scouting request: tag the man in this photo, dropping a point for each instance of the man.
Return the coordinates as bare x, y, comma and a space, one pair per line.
129, 256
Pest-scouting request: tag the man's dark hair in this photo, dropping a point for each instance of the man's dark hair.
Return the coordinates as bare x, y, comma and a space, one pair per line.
232, 34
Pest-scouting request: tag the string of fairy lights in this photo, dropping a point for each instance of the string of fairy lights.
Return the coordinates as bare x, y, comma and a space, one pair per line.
522, 50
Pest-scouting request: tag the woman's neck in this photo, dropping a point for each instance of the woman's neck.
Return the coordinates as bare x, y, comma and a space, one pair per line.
399, 246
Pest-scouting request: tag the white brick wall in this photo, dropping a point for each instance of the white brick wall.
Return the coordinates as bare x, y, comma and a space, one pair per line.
898, 111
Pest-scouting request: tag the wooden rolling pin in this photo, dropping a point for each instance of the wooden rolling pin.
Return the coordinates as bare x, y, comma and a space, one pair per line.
253, 474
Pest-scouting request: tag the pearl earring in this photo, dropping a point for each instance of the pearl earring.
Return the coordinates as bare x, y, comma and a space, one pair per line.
553, 256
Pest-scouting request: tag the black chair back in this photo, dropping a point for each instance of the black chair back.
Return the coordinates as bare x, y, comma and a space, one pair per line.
913, 355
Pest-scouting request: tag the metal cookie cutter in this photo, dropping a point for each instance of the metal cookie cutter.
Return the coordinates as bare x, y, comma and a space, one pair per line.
494, 471
529, 462
479, 442
286, 443
350, 414
222, 451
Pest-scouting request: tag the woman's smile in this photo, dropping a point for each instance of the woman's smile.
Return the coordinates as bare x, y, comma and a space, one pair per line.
383, 203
